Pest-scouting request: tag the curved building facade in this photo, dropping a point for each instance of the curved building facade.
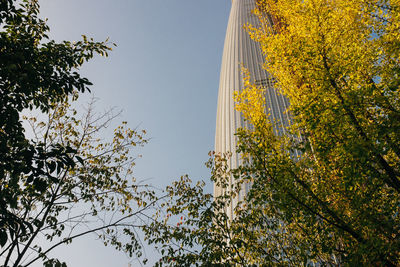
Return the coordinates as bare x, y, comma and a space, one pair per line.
240, 50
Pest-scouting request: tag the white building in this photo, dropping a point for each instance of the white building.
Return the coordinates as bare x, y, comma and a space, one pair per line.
240, 50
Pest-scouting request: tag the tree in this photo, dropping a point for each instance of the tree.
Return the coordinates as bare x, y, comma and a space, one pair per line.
338, 204
43, 179
35, 72
337, 61
94, 194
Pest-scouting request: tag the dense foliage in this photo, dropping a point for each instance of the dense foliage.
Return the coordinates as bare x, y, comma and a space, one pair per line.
63, 179
338, 62
34, 72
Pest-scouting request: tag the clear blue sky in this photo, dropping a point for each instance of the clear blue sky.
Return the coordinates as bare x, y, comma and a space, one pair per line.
164, 75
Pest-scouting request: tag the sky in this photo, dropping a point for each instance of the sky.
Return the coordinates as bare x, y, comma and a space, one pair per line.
163, 75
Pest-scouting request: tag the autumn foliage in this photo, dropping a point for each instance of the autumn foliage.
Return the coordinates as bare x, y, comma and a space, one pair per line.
337, 61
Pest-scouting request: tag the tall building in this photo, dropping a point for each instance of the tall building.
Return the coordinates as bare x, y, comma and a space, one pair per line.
240, 50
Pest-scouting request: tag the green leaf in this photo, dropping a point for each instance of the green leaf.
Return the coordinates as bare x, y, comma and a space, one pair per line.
3, 237
80, 160
52, 166
40, 184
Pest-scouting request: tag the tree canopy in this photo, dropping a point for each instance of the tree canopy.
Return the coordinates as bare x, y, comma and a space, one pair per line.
34, 73
64, 179
338, 62
337, 204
